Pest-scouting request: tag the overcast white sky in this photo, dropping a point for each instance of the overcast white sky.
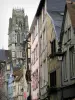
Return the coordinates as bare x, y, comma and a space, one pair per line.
6, 6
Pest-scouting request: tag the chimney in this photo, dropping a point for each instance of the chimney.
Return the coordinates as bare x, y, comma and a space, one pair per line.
74, 2
68, 1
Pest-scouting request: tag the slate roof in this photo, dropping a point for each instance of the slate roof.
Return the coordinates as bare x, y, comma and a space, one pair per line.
5, 55
55, 9
56, 5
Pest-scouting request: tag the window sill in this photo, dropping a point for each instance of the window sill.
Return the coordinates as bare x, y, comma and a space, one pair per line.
72, 78
65, 80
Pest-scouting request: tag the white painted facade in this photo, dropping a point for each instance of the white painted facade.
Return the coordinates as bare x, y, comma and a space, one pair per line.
34, 61
38, 37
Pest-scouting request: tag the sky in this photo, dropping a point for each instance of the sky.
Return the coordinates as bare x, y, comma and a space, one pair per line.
6, 6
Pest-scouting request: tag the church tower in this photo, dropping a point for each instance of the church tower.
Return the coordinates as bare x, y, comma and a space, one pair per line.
18, 29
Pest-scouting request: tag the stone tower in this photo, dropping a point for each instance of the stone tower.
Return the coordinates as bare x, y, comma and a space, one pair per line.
18, 29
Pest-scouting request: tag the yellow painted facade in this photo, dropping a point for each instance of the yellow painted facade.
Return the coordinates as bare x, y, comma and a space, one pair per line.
53, 63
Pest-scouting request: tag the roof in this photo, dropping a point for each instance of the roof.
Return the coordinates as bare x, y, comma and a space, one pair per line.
71, 9
19, 73
56, 5
55, 8
41, 4
5, 55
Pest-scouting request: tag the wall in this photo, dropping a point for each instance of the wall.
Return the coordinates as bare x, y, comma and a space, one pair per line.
65, 48
35, 61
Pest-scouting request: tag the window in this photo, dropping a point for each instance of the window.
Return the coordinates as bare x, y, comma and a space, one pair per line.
36, 51
32, 58
37, 26
44, 39
20, 54
13, 54
8, 76
53, 47
69, 33
41, 44
8, 67
35, 30
20, 24
43, 14
13, 46
18, 38
41, 76
35, 80
65, 37
53, 79
45, 72
65, 66
72, 62
33, 35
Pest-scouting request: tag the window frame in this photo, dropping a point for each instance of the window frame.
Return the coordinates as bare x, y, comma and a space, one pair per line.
65, 67
72, 62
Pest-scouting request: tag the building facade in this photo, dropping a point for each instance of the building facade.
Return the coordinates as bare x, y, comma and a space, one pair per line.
34, 59
5, 62
45, 28
56, 13
18, 84
67, 40
10, 79
18, 29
